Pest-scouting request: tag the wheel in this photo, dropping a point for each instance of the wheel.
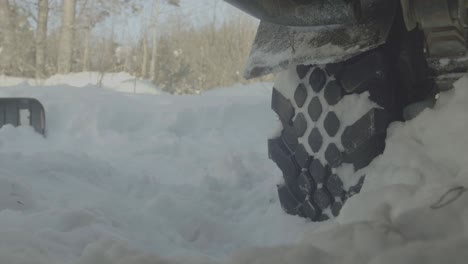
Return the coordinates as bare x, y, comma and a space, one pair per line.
328, 120
335, 117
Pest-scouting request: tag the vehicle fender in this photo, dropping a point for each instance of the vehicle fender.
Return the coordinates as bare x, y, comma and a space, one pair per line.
277, 47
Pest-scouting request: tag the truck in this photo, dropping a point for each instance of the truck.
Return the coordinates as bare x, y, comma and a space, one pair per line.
345, 70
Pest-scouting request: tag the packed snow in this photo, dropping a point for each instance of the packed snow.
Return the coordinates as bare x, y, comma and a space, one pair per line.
127, 178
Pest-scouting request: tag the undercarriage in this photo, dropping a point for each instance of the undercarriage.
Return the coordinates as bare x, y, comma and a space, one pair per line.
295, 32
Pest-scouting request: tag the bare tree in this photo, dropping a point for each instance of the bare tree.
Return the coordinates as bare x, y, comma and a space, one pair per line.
86, 52
65, 52
16, 39
41, 37
7, 35
144, 59
193, 57
92, 12
154, 52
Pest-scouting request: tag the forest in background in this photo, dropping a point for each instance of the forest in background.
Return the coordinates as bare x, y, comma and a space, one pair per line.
41, 38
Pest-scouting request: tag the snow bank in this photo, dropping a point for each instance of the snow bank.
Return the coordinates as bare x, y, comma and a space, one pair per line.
414, 205
120, 82
132, 175
132, 179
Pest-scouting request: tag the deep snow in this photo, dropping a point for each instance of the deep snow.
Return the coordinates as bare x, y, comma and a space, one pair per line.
139, 179
169, 175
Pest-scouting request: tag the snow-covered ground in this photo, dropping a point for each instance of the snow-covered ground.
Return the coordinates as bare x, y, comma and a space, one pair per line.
126, 178
120, 82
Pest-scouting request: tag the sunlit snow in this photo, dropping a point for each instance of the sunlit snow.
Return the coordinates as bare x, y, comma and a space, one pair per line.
136, 179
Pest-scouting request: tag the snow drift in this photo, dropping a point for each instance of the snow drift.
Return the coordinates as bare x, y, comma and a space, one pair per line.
120, 82
126, 178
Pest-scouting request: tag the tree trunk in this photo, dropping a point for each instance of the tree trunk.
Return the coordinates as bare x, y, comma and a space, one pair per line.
64, 63
155, 41
41, 37
144, 59
6, 23
86, 52
7, 31
4, 12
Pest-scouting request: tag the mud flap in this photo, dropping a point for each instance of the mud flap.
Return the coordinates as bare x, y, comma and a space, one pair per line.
23, 112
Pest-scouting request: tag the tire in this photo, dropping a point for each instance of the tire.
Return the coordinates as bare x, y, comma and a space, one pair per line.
336, 116
322, 130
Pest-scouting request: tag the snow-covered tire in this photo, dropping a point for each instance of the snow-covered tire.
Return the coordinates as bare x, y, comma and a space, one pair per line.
333, 116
